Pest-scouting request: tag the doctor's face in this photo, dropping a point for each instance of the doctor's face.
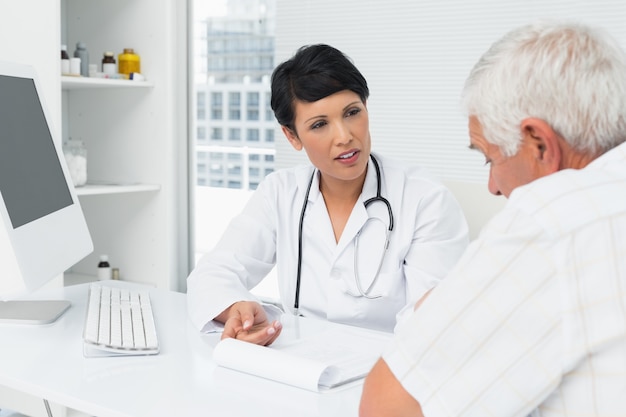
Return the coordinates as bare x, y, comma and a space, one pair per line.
334, 132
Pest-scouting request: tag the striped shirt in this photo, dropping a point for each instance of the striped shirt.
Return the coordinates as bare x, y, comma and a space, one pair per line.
532, 320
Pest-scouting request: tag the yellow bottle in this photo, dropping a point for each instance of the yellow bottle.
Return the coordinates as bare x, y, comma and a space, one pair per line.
128, 62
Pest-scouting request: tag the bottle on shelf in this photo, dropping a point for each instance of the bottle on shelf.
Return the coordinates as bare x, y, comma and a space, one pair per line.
75, 66
104, 268
108, 63
65, 60
82, 53
129, 62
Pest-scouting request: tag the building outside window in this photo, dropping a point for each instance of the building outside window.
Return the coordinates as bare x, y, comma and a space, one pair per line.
234, 126
233, 62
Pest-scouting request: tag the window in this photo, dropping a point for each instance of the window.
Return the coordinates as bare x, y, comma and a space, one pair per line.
216, 99
253, 105
252, 135
201, 105
234, 134
253, 114
216, 134
234, 114
216, 114
201, 134
217, 169
234, 157
269, 114
231, 86
253, 99
216, 105
234, 105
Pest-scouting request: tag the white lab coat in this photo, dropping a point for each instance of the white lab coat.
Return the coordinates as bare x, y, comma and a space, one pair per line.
429, 235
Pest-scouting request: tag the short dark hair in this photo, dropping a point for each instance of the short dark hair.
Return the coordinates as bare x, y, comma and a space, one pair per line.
314, 72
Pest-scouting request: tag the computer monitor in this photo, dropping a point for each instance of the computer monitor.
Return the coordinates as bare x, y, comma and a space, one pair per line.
42, 228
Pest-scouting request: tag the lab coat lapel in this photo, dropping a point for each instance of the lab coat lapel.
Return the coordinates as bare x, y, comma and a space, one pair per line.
316, 219
359, 214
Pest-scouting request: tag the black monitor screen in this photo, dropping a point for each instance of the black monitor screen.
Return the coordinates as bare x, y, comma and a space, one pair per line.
31, 178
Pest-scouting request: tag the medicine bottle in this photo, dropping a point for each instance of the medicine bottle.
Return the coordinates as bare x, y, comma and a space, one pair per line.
104, 268
108, 63
65, 60
128, 62
81, 52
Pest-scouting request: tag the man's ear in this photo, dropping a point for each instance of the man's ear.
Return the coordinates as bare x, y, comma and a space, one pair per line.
292, 137
544, 143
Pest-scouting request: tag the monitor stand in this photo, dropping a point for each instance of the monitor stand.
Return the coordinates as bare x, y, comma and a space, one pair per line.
32, 311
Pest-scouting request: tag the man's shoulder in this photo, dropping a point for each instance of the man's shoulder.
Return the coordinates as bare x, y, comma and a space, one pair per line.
571, 198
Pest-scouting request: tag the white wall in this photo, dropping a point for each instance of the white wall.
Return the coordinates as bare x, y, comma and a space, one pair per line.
29, 30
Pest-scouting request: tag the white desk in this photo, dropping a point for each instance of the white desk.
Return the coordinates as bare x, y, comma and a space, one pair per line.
181, 381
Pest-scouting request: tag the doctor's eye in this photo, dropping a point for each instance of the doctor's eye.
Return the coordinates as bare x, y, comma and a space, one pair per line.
318, 124
353, 112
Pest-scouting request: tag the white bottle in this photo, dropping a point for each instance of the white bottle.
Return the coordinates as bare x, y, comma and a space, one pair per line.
65, 60
104, 268
74, 66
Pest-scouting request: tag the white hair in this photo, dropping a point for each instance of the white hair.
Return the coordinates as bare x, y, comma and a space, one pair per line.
567, 74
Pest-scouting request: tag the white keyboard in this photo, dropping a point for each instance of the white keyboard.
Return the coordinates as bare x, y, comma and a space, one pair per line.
119, 321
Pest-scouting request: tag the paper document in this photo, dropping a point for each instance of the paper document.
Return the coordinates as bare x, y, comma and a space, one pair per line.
319, 362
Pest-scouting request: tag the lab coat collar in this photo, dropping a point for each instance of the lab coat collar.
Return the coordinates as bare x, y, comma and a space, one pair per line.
304, 173
303, 176
316, 213
316, 220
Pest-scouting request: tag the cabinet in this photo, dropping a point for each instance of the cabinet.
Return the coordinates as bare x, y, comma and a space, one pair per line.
135, 134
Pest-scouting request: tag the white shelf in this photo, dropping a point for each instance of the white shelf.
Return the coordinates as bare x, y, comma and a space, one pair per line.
102, 189
75, 83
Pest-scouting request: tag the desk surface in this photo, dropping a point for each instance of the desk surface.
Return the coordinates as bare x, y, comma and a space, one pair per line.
182, 380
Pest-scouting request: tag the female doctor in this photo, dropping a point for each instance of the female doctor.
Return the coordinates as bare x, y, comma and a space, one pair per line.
356, 238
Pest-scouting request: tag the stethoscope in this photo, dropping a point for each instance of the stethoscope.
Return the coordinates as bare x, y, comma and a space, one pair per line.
374, 199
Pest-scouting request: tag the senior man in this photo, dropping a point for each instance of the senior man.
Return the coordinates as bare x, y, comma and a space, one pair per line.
532, 320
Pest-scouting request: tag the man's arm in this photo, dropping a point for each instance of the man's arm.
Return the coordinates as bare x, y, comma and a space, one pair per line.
383, 395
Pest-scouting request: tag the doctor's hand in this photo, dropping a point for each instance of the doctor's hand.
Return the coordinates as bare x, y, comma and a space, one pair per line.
247, 321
